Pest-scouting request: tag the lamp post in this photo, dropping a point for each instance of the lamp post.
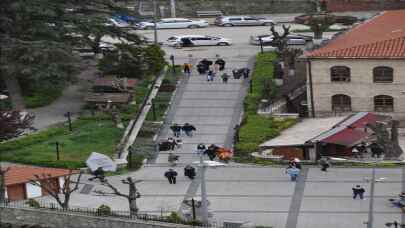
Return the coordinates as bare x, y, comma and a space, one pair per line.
68, 116
154, 22
261, 45
173, 67
57, 150
204, 201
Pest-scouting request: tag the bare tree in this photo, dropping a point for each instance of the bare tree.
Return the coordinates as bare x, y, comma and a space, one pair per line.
389, 144
132, 196
3, 183
62, 196
14, 123
280, 40
319, 23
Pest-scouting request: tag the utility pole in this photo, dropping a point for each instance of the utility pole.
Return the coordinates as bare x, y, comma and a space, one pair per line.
204, 206
173, 8
154, 22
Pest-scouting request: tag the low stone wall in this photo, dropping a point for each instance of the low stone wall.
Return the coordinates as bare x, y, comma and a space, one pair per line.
52, 219
188, 8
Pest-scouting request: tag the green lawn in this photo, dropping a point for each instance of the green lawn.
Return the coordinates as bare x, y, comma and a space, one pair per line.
256, 129
88, 135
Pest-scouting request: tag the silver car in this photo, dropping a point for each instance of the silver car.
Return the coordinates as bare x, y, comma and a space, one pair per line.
198, 40
228, 21
292, 39
173, 23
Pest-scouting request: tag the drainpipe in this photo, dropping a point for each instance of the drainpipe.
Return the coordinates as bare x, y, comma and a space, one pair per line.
311, 88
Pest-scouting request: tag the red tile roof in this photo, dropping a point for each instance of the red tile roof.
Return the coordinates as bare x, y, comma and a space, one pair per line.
381, 37
23, 174
350, 130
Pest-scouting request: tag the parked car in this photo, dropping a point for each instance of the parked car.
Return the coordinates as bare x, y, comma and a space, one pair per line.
228, 21
345, 20
171, 23
118, 23
198, 40
293, 39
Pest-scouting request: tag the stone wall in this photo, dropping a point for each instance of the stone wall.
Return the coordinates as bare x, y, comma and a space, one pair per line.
54, 219
361, 87
233, 7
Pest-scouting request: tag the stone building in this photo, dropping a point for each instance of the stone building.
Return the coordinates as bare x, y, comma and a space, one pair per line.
360, 70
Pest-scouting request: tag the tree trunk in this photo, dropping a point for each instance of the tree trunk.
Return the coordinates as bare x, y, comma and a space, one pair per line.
14, 91
133, 209
13, 88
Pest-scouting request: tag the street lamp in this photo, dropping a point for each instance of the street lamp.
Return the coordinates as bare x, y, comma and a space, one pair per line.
68, 116
173, 68
261, 44
204, 201
154, 22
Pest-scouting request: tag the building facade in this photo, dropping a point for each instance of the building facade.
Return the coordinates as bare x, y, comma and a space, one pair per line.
362, 70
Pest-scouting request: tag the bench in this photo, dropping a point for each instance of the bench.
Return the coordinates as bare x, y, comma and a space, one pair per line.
209, 13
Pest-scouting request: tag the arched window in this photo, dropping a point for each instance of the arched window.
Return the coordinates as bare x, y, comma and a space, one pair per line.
341, 103
340, 74
383, 74
383, 103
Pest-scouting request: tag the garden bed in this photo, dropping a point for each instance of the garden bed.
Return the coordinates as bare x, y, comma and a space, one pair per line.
256, 129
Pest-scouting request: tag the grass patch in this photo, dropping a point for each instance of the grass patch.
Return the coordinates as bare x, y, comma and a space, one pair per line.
42, 97
256, 129
88, 135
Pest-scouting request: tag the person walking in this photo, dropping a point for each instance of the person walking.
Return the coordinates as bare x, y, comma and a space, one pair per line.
188, 129
172, 158
355, 152
171, 176
189, 172
325, 163
358, 191
221, 63
293, 172
225, 78
211, 151
187, 69
210, 76
176, 130
171, 143
201, 148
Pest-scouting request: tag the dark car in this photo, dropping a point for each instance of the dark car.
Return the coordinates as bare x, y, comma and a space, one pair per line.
345, 20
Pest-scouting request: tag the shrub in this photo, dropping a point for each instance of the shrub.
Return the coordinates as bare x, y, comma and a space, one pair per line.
33, 203
174, 217
104, 210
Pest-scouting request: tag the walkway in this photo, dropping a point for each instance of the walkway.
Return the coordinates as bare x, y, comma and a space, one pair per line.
212, 107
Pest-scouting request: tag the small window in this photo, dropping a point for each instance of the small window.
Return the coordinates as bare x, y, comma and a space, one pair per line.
235, 19
340, 74
250, 19
383, 103
341, 103
383, 74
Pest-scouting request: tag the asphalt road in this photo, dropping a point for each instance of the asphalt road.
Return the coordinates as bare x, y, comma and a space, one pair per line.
239, 35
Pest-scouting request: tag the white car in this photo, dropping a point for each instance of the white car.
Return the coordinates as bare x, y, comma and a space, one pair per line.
198, 40
171, 23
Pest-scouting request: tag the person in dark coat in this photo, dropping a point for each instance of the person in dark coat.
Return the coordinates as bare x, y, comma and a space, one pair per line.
176, 130
189, 171
171, 143
201, 148
186, 42
206, 62
246, 72
98, 174
358, 191
225, 77
221, 63
188, 129
211, 151
325, 164
171, 176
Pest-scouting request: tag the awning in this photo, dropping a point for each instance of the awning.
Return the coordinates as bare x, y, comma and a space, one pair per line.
349, 131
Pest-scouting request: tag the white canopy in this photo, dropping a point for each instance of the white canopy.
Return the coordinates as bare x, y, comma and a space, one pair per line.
97, 160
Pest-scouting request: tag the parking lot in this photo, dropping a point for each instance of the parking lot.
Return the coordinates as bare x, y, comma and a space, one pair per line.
239, 35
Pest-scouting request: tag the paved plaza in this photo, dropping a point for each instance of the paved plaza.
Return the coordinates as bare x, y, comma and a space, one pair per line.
260, 195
